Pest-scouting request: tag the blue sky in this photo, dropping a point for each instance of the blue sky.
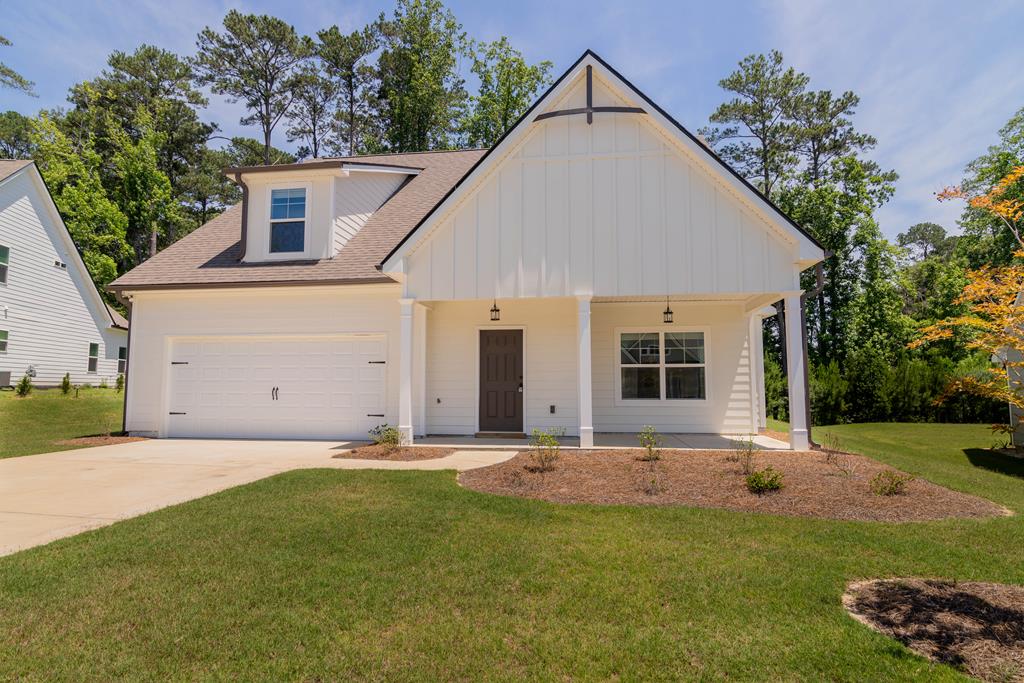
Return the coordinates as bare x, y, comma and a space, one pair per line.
936, 79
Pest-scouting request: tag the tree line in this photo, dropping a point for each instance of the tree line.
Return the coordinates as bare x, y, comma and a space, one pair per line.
134, 166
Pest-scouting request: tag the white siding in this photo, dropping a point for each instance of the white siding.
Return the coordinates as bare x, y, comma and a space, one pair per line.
160, 317
356, 198
51, 314
453, 333
616, 208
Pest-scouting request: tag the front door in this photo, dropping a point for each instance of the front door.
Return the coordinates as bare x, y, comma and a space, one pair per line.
501, 381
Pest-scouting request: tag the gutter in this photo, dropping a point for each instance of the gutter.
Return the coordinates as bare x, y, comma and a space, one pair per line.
245, 214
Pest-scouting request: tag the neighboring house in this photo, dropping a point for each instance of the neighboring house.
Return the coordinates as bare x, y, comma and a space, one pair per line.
598, 269
52, 319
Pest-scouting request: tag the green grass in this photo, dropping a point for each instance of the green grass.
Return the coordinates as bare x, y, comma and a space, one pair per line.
32, 424
334, 575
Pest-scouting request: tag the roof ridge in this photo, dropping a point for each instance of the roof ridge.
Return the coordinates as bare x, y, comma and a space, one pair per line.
395, 154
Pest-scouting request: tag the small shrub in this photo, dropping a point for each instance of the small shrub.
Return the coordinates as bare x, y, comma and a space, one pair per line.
119, 385
744, 455
652, 486
77, 388
650, 441
387, 436
764, 481
65, 384
890, 483
103, 383
832, 449
1006, 432
24, 386
544, 449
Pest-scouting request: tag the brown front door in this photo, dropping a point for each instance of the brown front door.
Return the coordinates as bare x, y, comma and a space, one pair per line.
501, 381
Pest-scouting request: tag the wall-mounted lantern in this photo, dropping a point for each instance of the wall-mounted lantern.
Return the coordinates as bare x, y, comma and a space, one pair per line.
667, 315
495, 311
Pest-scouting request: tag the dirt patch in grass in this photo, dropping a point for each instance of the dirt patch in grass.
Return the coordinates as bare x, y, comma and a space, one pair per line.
812, 487
976, 627
101, 440
376, 452
772, 434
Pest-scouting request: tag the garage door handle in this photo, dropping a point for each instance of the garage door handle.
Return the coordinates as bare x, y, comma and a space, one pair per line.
179, 362
378, 362
174, 413
375, 415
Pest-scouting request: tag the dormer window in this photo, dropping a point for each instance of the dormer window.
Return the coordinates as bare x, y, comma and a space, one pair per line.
288, 220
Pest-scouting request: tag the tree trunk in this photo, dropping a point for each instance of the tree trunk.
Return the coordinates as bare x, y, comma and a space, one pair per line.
152, 239
266, 146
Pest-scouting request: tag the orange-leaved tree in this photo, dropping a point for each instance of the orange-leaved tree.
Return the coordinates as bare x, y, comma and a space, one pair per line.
993, 303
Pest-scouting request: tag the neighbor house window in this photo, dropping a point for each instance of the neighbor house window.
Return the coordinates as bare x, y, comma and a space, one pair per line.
5, 258
660, 366
3, 341
94, 356
122, 359
287, 221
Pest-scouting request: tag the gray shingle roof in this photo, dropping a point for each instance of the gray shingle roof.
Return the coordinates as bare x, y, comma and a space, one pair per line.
9, 167
209, 256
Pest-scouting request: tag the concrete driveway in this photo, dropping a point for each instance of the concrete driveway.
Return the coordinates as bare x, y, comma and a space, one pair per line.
52, 495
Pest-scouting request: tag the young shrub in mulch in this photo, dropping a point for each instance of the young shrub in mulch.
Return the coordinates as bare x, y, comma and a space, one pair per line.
744, 455
976, 627
386, 436
764, 481
890, 483
835, 457
650, 440
544, 449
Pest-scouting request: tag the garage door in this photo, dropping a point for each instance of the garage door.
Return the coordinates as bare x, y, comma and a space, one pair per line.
294, 388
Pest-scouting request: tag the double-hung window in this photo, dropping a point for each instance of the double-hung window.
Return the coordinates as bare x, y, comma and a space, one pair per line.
662, 366
288, 221
122, 359
5, 260
3, 341
94, 356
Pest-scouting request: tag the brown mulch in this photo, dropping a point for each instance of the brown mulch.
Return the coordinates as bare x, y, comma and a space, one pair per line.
976, 627
376, 452
101, 440
812, 486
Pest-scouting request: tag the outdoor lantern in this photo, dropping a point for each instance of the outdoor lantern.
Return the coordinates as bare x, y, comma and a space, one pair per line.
495, 311
667, 315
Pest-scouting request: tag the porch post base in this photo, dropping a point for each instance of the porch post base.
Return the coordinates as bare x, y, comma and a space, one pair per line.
799, 440
406, 434
586, 437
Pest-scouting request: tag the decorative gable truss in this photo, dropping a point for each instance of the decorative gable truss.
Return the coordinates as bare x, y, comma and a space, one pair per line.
596, 191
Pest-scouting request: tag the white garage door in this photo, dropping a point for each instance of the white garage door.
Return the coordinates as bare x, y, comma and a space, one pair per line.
294, 388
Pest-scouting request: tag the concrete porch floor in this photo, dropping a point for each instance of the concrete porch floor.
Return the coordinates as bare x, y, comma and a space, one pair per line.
610, 440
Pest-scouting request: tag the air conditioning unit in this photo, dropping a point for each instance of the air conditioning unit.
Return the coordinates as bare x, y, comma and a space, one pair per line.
5, 378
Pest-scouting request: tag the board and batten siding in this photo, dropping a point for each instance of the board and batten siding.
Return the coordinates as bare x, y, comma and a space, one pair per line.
49, 323
610, 209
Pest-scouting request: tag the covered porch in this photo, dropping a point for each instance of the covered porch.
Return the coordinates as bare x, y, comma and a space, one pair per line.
610, 440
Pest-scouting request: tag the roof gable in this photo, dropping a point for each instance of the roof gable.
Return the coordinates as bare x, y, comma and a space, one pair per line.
610, 91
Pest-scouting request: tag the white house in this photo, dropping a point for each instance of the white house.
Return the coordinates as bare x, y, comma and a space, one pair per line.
597, 270
52, 319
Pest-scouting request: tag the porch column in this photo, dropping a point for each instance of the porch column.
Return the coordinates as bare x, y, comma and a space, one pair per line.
796, 366
420, 366
405, 427
586, 401
756, 372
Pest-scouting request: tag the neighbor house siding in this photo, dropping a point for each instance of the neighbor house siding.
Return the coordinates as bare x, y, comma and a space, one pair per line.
609, 209
159, 317
550, 378
42, 307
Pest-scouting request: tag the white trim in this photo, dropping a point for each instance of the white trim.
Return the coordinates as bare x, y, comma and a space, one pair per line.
796, 366
307, 228
526, 375
660, 331
584, 371
405, 369
374, 168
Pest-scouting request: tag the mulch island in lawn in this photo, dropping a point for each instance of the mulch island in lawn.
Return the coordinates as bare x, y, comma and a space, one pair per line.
382, 452
813, 486
976, 627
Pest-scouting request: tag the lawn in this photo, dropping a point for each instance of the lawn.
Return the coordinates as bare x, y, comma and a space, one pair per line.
334, 575
32, 424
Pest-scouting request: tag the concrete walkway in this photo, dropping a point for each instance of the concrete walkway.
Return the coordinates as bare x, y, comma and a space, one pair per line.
52, 495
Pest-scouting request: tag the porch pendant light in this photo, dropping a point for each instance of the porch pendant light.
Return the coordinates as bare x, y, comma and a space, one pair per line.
667, 315
495, 311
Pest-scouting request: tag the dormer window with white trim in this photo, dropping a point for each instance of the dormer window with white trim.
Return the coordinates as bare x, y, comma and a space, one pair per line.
288, 220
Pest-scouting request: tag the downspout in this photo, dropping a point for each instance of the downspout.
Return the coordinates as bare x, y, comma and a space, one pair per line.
245, 215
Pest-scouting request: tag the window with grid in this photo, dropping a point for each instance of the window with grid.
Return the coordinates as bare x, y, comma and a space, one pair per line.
122, 359
662, 366
287, 220
5, 261
94, 357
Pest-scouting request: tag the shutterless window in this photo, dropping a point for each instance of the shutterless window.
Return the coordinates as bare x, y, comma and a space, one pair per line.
661, 366
5, 260
287, 220
94, 356
3, 341
122, 359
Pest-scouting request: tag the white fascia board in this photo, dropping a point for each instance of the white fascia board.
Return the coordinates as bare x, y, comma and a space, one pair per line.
375, 168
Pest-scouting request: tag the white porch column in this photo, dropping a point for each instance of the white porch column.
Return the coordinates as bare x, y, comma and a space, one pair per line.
420, 366
757, 349
796, 366
756, 376
405, 369
586, 400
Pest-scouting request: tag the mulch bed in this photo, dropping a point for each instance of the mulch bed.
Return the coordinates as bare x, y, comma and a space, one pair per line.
771, 433
376, 452
976, 627
103, 440
812, 486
